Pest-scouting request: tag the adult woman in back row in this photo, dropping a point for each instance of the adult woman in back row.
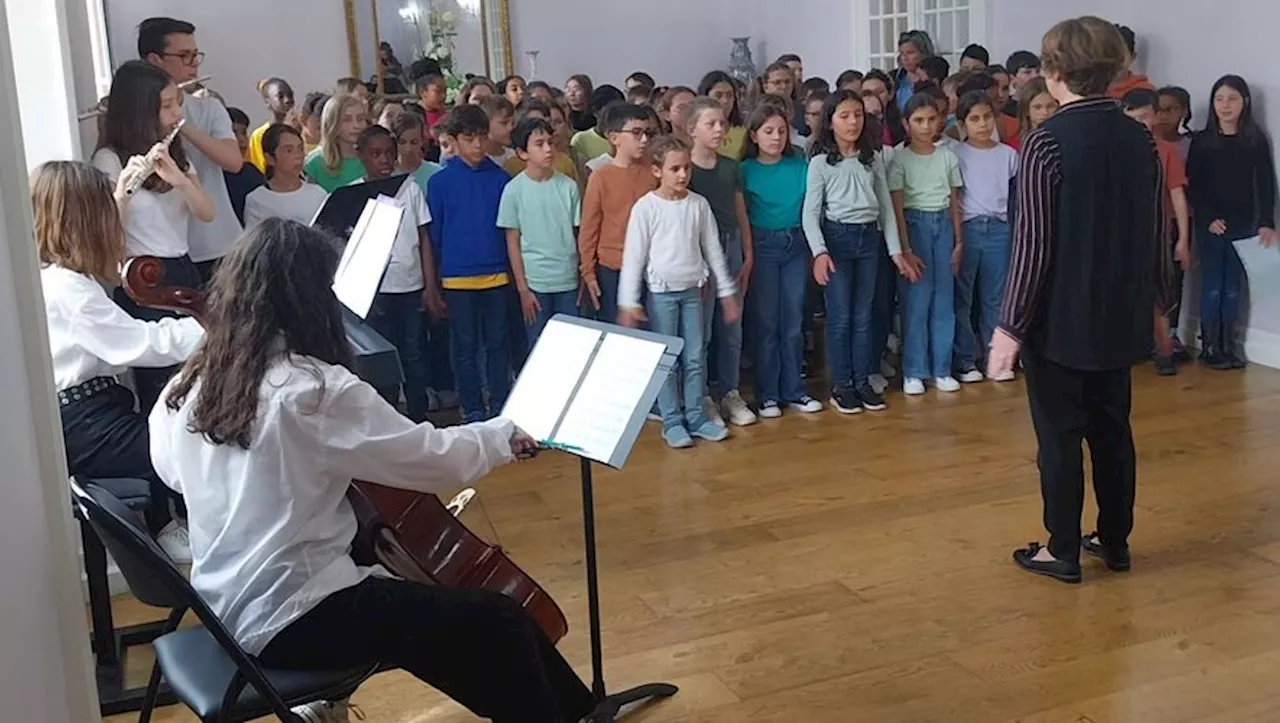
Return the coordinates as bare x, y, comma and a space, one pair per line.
913, 47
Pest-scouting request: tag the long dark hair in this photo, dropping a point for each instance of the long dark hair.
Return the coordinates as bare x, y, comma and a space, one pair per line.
825, 141
132, 123
271, 295
892, 113
1250, 132
714, 78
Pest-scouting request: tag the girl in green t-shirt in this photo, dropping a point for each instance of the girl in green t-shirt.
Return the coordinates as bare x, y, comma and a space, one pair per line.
334, 163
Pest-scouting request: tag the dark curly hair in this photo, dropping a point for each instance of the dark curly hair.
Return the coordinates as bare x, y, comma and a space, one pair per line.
825, 140
271, 296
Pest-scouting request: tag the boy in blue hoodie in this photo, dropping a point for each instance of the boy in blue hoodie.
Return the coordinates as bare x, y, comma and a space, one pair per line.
471, 252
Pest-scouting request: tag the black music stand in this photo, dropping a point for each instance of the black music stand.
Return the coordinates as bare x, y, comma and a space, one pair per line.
561, 370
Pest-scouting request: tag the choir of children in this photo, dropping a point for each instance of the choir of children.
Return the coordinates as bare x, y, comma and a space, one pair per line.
890, 193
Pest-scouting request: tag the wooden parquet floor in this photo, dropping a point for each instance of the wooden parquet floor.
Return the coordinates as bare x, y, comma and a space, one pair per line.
856, 569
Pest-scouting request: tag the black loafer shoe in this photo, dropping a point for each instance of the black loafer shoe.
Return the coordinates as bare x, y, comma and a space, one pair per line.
1115, 560
1060, 570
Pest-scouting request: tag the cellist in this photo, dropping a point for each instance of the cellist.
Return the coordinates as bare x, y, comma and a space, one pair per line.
262, 431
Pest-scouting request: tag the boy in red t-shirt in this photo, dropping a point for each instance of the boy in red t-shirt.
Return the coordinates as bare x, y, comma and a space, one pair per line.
1141, 105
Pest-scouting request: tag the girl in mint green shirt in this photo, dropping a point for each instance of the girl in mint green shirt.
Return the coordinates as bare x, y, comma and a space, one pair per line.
773, 180
334, 163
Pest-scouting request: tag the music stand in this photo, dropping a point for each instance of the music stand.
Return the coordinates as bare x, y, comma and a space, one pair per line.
586, 390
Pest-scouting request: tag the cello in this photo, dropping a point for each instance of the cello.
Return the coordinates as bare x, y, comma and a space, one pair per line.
412, 534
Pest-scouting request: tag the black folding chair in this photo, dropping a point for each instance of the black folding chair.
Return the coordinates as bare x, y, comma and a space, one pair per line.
204, 666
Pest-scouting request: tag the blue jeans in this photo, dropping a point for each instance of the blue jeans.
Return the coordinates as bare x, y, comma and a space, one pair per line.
561, 302
1221, 280
478, 324
608, 280
982, 269
883, 307
679, 313
724, 341
399, 319
850, 293
928, 306
777, 307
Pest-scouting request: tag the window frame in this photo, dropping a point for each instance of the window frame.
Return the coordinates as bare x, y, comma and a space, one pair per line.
863, 15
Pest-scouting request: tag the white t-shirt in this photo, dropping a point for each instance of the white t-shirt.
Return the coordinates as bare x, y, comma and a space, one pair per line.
300, 205
214, 239
271, 528
986, 172
599, 162
404, 270
90, 336
672, 246
155, 224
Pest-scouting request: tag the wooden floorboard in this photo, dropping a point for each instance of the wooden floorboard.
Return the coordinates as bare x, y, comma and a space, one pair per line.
829, 568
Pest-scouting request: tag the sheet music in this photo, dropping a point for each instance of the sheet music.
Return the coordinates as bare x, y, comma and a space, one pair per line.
602, 409
549, 377
367, 253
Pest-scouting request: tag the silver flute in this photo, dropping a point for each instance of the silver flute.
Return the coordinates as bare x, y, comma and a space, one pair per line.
100, 107
150, 164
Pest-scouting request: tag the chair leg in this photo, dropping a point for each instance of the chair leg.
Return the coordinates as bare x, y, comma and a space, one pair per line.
153, 692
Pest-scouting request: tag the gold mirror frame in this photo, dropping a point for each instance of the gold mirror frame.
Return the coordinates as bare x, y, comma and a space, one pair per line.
495, 15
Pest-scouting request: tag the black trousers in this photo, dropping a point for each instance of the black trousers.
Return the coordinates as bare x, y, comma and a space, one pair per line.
106, 439
478, 647
1068, 407
150, 381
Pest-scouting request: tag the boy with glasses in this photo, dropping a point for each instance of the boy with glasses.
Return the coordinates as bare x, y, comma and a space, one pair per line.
208, 137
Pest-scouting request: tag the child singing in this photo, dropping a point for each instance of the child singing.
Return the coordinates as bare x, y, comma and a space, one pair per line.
673, 248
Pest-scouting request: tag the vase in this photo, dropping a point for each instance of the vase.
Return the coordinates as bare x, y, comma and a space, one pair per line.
741, 67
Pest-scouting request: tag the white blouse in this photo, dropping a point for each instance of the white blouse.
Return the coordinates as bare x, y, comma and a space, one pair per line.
155, 224
90, 336
271, 528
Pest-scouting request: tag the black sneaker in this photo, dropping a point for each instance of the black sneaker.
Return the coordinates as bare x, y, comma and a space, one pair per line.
846, 401
1165, 366
871, 401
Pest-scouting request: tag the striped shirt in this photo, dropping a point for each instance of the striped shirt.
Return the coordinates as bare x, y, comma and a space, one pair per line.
1036, 229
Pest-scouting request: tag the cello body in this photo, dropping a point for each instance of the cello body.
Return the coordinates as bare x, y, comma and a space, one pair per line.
412, 534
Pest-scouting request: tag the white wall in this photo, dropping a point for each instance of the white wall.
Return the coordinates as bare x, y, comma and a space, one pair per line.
45, 670
675, 41
302, 41
43, 80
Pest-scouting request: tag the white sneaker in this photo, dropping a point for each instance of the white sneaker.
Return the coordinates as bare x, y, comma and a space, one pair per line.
878, 383
911, 385
972, 376
947, 384
323, 711
712, 411
737, 410
807, 405
770, 410
1004, 376
175, 542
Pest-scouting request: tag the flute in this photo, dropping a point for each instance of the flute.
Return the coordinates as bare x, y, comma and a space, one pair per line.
150, 166
100, 107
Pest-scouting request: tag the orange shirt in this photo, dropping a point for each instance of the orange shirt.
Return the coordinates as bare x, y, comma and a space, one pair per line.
1010, 133
606, 209
1133, 81
1175, 170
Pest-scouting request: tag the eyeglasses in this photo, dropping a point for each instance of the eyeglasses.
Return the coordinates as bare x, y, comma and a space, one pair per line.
187, 57
640, 133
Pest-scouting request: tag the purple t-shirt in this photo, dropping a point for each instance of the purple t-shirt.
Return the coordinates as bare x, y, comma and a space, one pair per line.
986, 172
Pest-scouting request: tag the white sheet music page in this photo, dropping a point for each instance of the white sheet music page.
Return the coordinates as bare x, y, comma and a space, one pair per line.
367, 253
549, 377
600, 412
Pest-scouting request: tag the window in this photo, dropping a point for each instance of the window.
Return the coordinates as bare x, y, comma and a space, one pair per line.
98, 46
952, 24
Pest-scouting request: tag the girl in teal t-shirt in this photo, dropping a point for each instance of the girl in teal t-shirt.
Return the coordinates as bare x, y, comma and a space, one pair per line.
773, 180
334, 163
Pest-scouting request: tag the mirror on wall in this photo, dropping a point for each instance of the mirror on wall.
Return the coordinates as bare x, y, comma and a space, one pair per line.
467, 37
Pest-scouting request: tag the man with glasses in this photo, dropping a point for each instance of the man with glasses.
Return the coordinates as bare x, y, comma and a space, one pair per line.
210, 142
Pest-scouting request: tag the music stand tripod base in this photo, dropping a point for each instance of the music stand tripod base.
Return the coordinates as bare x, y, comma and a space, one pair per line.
608, 709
